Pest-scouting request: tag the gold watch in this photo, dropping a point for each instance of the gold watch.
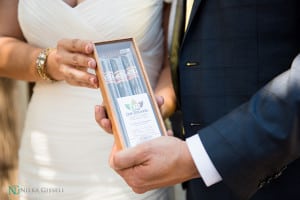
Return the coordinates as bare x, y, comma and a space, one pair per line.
41, 65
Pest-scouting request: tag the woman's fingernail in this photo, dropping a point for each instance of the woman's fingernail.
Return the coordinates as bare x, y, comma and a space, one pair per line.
97, 109
93, 82
89, 48
92, 63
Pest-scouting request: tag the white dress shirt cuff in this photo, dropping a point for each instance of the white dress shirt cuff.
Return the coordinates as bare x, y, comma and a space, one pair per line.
206, 168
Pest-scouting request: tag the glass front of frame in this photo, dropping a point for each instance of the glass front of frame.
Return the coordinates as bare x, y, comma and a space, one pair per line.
128, 91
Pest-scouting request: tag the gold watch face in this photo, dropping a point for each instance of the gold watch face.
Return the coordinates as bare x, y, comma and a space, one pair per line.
41, 60
41, 65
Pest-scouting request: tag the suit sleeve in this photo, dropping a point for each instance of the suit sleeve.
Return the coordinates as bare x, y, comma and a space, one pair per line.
252, 144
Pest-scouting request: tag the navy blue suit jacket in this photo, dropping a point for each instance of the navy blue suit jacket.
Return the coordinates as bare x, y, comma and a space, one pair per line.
230, 51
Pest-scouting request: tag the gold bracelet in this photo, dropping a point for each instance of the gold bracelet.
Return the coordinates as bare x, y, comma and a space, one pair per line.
41, 65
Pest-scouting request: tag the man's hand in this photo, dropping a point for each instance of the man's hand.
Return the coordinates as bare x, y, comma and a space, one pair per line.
157, 163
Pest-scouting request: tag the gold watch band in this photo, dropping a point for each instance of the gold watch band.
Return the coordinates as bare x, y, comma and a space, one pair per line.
41, 65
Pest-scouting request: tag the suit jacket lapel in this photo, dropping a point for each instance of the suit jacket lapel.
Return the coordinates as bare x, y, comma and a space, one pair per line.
193, 12
177, 37
176, 28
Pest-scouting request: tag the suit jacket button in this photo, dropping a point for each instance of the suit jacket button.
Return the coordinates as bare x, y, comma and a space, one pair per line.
195, 124
191, 64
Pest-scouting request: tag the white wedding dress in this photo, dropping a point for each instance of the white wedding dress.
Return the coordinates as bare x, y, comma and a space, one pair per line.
64, 153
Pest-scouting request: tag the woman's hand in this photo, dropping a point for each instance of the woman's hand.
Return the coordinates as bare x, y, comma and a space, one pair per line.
71, 60
102, 118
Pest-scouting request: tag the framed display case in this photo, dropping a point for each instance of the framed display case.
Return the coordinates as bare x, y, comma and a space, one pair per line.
127, 93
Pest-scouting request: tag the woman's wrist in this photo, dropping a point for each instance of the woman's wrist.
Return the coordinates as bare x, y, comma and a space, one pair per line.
42, 65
